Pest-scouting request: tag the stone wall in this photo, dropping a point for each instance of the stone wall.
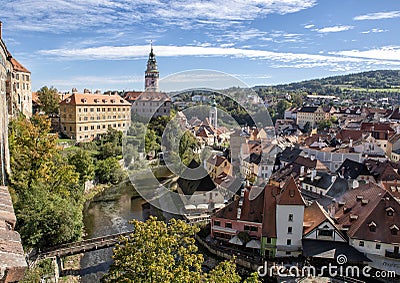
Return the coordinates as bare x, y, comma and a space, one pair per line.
4, 153
12, 258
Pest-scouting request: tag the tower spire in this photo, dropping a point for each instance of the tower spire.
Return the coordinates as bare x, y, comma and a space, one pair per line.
151, 73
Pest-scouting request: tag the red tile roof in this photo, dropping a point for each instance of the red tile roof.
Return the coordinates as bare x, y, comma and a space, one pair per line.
364, 205
345, 135
17, 66
291, 194
94, 100
269, 217
314, 215
146, 96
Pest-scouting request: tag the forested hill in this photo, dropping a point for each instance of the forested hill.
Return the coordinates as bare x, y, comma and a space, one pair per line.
380, 81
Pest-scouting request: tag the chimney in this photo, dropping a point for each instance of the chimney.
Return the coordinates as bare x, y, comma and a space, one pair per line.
313, 174
302, 171
312, 157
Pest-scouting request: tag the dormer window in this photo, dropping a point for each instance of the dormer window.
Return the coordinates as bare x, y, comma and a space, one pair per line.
372, 226
105, 100
389, 211
394, 229
364, 202
84, 100
121, 100
96, 100
359, 198
68, 100
341, 203
112, 100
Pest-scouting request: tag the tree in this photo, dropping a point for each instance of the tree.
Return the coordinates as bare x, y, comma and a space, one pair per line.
49, 100
160, 252
187, 147
83, 163
324, 125
281, 106
253, 278
109, 171
48, 199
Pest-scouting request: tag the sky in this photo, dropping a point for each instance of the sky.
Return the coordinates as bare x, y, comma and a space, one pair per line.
104, 44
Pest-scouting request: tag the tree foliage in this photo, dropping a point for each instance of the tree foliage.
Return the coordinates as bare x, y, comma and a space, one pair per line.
109, 171
49, 100
83, 163
159, 252
46, 192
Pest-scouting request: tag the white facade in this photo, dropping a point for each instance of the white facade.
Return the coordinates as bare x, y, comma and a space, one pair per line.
325, 232
289, 229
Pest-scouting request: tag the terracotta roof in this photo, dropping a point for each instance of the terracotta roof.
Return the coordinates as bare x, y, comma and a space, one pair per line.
269, 217
217, 160
94, 100
314, 215
393, 187
146, 96
385, 172
17, 66
376, 127
358, 208
345, 135
132, 95
395, 114
291, 194
251, 210
35, 97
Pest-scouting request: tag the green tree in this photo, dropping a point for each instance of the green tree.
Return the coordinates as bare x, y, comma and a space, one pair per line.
83, 163
281, 106
109, 149
253, 278
160, 252
151, 141
324, 125
188, 145
225, 272
45, 188
109, 171
49, 100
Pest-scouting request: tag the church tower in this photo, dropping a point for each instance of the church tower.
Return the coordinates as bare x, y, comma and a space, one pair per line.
213, 113
151, 73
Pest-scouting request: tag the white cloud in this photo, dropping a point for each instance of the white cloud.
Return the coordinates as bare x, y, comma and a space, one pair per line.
374, 30
62, 16
334, 29
309, 26
378, 16
343, 60
390, 53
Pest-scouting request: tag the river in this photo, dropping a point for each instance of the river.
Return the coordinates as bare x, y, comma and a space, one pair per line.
108, 213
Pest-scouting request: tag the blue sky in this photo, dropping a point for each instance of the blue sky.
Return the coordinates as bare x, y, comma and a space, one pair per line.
103, 44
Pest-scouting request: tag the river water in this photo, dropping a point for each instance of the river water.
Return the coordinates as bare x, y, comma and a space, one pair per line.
108, 213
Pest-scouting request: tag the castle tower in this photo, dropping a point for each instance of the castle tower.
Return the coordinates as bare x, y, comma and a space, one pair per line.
213, 113
151, 73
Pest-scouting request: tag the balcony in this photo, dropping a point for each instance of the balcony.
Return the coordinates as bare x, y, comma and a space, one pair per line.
392, 255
